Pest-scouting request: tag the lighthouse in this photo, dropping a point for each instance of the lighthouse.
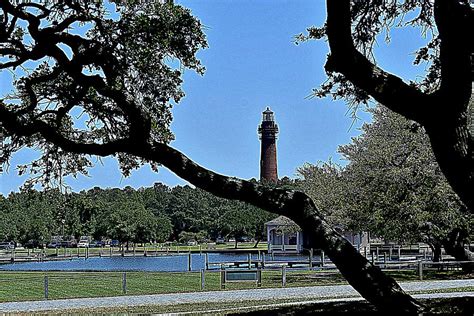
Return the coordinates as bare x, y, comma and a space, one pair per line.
268, 131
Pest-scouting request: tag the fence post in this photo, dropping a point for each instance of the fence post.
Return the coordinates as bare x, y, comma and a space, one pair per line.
263, 260
311, 259
222, 278
390, 253
124, 283
372, 253
259, 277
134, 250
249, 259
365, 252
207, 261
46, 287
203, 279
110, 250
420, 269
399, 252
377, 249
283, 276
322, 258
384, 260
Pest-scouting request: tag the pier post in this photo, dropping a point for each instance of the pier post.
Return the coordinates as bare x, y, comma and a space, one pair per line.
322, 258
134, 250
207, 261
384, 260
87, 252
365, 251
249, 258
200, 249
372, 253
310, 259
263, 261
110, 251
399, 252
377, 249
78, 251
390, 253
189, 261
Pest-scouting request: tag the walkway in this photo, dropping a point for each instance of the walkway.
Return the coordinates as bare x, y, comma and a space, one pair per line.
300, 293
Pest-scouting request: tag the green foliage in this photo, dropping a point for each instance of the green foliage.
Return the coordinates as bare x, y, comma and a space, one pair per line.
157, 213
392, 185
128, 60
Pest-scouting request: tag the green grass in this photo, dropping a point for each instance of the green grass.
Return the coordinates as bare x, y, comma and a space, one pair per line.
20, 286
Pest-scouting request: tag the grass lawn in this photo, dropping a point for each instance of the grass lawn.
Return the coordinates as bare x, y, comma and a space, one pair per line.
20, 286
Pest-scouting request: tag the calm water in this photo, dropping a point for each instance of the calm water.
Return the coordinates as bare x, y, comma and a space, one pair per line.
162, 263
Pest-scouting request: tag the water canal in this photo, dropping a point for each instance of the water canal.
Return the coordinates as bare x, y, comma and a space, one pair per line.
168, 263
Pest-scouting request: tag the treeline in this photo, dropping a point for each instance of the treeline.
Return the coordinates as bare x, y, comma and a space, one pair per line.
157, 213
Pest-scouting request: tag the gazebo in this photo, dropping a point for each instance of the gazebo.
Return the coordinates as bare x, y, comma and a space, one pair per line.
284, 236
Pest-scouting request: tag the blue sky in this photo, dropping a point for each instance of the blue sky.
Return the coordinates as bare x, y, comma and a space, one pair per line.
251, 63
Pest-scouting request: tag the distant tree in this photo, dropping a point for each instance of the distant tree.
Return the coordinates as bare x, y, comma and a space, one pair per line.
327, 187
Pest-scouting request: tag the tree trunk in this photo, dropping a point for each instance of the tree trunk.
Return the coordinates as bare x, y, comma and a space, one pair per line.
436, 248
257, 242
454, 246
378, 288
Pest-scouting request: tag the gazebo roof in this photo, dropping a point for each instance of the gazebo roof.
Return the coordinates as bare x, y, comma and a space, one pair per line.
281, 221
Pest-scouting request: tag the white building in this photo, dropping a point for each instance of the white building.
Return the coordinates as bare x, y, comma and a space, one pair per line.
285, 236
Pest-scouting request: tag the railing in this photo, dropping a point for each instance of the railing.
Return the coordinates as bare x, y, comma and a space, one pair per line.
23, 285
289, 248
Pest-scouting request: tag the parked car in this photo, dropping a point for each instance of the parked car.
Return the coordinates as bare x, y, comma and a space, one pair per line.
114, 243
192, 243
69, 243
7, 245
54, 244
96, 244
220, 240
84, 242
34, 243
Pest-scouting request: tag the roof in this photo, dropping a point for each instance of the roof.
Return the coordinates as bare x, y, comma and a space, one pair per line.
267, 110
281, 221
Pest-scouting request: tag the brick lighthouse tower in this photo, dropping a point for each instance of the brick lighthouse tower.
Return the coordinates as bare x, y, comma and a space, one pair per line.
268, 131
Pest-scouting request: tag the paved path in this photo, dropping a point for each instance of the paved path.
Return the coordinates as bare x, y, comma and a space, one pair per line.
309, 293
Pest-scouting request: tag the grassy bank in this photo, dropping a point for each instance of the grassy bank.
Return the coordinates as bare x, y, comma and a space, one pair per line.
20, 286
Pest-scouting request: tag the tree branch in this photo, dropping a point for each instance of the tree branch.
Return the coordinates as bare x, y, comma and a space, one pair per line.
384, 87
453, 19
